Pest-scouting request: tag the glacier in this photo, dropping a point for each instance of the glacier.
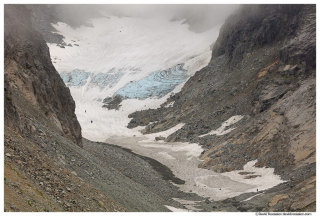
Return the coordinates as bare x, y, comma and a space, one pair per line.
143, 60
80, 78
157, 84
75, 77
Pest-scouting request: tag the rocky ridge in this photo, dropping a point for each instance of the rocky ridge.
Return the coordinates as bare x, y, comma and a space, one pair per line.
29, 71
262, 68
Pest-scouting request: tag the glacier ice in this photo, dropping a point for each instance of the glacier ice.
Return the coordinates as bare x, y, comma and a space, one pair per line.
144, 61
79, 78
75, 78
157, 84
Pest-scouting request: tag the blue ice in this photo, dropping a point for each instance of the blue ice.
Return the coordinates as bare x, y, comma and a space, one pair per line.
79, 78
104, 79
75, 78
157, 84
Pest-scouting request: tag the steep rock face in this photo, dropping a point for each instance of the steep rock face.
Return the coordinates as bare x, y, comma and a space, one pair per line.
262, 68
30, 73
255, 26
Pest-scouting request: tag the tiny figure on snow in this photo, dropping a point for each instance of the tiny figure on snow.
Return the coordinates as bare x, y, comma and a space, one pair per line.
91, 121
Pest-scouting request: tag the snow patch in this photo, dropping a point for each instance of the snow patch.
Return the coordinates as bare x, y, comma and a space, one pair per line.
169, 104
151, 137
173, 209
221, 130
230, 184
166, 155
190, 149
266, 178
189, 204
259, 194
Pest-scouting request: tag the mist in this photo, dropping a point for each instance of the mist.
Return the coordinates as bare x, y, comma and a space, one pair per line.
199, 17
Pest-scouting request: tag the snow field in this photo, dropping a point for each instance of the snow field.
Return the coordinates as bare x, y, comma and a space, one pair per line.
183, 160
127, 50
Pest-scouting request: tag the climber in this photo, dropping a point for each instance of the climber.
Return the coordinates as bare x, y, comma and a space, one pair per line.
91, 121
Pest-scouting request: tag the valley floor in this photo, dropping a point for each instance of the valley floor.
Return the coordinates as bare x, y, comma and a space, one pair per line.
183, 160
50, 174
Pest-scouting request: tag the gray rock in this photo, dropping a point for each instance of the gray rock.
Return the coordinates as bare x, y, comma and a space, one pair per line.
159, 138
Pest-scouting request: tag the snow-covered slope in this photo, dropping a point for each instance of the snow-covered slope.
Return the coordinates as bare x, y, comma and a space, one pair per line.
143, 60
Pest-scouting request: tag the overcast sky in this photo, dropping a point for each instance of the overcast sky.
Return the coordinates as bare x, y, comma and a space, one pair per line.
199, 16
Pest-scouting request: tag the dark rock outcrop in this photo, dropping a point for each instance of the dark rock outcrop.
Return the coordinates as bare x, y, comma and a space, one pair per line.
113, 102
255, 26
29, 73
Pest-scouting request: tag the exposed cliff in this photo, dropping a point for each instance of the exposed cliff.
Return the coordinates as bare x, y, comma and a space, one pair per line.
40, 128
29, 73
262, 68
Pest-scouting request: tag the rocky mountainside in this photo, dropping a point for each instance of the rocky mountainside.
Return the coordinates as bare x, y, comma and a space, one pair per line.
29, 72
262, 69
48, 166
